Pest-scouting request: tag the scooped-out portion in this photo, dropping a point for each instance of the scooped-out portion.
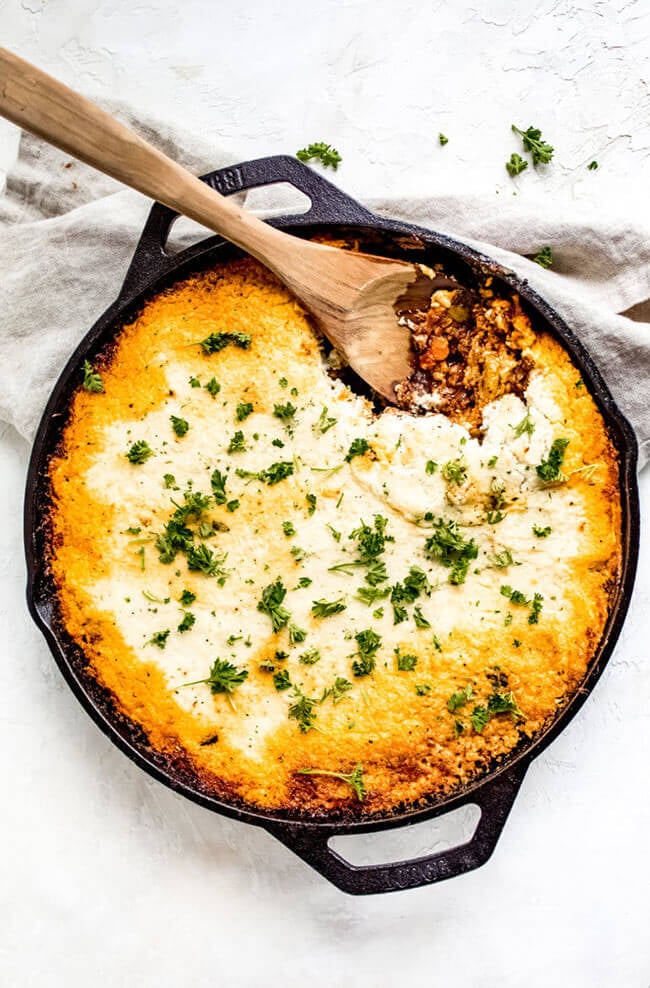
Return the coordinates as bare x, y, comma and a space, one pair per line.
312, 606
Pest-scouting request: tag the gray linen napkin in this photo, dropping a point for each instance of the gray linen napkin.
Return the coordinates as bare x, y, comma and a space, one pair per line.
67, 235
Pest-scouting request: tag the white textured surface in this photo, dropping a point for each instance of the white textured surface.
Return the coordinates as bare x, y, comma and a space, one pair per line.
109, 878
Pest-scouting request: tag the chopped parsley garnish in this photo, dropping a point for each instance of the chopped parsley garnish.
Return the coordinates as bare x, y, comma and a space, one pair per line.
405, 661
492, 462
281, 680
540, 532
219, 341
218, 482
358, 447
544, 257
442, 140
353, 779
213, 387
516, 165
369, 595
326, 608
325, 153
285, 413
310, 657
92, 380
449, 548
479, 717
204, 560
455, 471
232, 505
371, 540
336, 535
368, 642
187, 622
311, 500
592, 166
515, 596
302, 710
278, 443
272, 475
169, 481
550, 469
271, 604
338, 690
459, 699
288, 529
502, 559
422, 689
195, 382
237, 443
139, 452
244, 409
431, 467
283, 382
419, 618
180, 426
532, 138
525, 426
296, 634
304, 581
324, 423
159, 639
536, 608
224, 677
187, 598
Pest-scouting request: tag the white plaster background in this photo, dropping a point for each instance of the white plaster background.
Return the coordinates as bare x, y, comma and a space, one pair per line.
109, 879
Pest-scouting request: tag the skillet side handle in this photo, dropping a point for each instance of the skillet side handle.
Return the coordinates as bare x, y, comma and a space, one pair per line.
495, 800
328, 205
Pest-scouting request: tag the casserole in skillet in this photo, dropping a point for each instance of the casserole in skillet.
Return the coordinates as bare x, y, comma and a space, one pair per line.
404, 600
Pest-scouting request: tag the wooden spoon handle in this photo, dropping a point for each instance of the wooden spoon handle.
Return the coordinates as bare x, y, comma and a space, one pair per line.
34, 100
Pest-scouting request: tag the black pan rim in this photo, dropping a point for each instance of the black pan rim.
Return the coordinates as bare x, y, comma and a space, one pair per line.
202, 255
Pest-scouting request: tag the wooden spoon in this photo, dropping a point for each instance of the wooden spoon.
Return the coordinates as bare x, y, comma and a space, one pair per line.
352, 296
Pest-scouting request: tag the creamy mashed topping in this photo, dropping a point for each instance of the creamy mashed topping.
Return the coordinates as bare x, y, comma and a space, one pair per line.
511, 609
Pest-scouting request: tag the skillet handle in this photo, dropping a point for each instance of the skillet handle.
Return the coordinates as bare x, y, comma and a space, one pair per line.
495, 799
328, 205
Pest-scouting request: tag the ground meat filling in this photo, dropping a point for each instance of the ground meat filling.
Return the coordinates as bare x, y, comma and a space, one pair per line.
470, 347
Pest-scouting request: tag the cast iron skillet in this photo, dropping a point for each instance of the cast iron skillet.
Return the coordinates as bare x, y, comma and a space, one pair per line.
151, 269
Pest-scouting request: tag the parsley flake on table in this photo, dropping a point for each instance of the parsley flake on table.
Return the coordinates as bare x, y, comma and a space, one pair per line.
532, 140
92, 379
544, 257
325, 153
516, 165
442, 140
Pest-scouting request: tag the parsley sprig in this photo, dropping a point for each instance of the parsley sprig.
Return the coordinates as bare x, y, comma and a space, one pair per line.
325, 153
532, 140
354, 779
